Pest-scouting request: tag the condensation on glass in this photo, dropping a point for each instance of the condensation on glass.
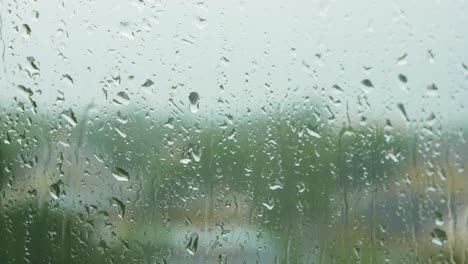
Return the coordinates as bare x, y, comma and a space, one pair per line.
233, 131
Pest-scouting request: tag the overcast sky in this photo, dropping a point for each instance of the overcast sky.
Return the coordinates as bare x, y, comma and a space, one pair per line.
239, 55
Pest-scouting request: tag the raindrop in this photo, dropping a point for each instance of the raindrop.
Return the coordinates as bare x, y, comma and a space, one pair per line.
185, 161
432, 87
357, 253
192, 244
32, 61
311, 131
169, 123
201, 22
439, 221
337, 87
269, 204
402, 59
120, 205
368, 83
27, 29
232, 134
301, 187
120, 174
431, 56
122, 134
55, 190
275, 187
403, 111
439, 237
194, 99
122, 99
70, 117
195, 153
223, 259
68, 78
28, 92
402, 78
147, 83
35, 14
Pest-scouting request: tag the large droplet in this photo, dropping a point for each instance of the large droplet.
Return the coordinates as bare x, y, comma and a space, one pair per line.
69, 116
367, 83
122, 99
439, 237
194, 99
402, 78
147, 83
68, 78
120, 205
402, 59
402, 109
120, 174
27, 30
28, 92
311, 131
55, 190
192, 244
432, 87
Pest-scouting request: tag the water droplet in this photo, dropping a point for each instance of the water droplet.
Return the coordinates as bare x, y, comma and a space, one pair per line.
27, 30
169, 123
70, 117
311, 132
432, 87
439, 237
269, 204
55, 190
122, 134
122, 99
120, 174
357, 252
120, 205
367, 83
195, 153
185, 161
439, 221
275, 187
232, 134
402, 78
194, 99
301, 187
28, 92
431, 56
192, 244
32, 61
147, 83
35, 14
337, 87
402, 59
68, 78
222, 258
201, 22
403, 111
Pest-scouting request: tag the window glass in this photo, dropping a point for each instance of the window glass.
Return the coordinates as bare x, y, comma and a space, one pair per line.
152, 131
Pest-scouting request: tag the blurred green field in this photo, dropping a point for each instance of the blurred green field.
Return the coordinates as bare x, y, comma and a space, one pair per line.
271, 189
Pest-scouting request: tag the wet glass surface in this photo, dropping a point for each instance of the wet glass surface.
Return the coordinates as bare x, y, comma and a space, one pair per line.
233, 132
